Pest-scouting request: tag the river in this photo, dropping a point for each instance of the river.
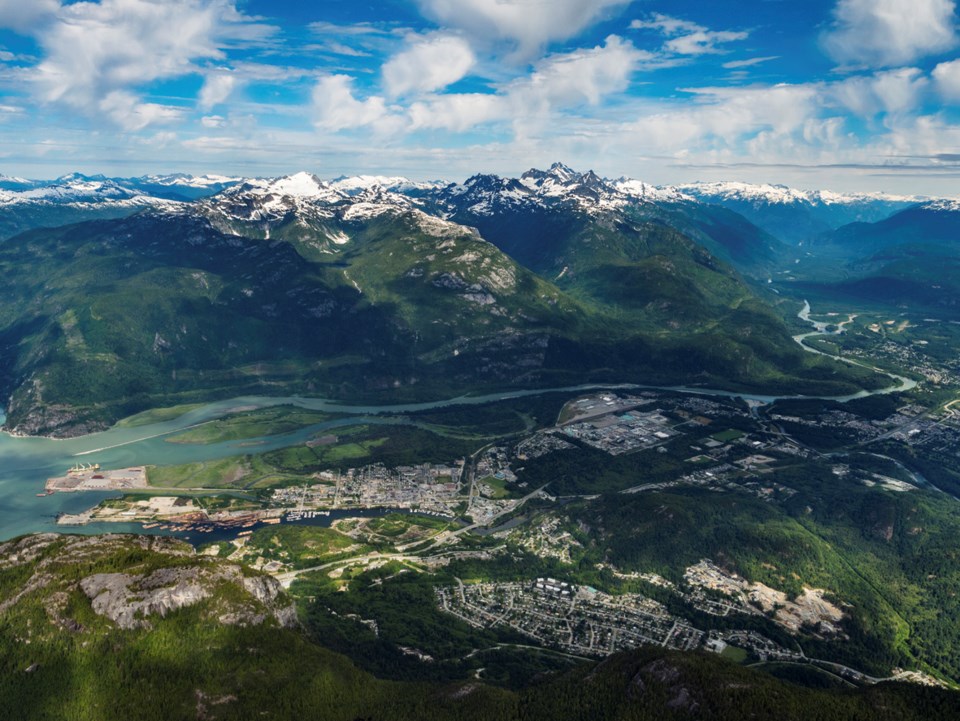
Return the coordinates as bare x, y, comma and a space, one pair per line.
26, 463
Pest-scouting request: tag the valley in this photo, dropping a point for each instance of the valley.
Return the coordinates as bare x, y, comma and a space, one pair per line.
516, 499
486, 434
479, 360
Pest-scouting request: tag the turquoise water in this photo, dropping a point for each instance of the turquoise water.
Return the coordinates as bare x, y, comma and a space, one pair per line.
26, 463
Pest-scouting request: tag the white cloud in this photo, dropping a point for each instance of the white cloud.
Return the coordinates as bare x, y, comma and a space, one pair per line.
688, 38
336, 48
558, 83
358, 40
749, 62
217, 87
356, 29
583, 76
666, 24
947, 78
882, 33
430, 63
336, 108
98, 54
213, 121
129, 112
23, 16
892, 91
458, 112
527, 24
702, 42
730, 113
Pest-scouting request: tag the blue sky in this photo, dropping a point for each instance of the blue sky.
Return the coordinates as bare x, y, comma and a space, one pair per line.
841, 94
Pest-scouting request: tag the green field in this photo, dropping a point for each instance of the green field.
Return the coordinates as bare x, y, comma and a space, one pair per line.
729, 435
499, 486
157, 415
737, 655
356, 446
252, 424
394, 529
303, 546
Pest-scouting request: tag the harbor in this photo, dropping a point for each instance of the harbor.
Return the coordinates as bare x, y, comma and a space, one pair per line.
91, 477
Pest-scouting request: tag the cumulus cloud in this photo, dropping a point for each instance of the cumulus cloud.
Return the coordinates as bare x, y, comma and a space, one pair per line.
458, 112
217, 87
337, 109
583, 76
688, 38
728, 113
528, 24
98, 54
23, 16
131, 113
892, 91
883, 33
947, 78
430, 63
560, 82
213, 121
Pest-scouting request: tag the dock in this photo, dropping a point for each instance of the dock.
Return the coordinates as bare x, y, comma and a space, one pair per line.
94, 478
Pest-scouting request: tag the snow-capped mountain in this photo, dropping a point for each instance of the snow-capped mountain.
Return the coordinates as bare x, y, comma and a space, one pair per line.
180, 186
9, 182
790, 214
785, 195
182, 180
559, 187
299, 207
273, 199
75, 190
176, 186
525, 215
80, 191
80, 188
355, 184
650, 193
947, 205
798, 215
71, 199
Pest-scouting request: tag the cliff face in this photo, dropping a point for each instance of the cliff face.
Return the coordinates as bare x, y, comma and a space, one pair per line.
132, 581
130, 600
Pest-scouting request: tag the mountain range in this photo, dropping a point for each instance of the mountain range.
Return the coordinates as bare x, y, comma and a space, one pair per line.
122, 294
790, 214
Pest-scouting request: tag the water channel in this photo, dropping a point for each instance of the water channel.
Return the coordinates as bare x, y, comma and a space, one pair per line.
26, 463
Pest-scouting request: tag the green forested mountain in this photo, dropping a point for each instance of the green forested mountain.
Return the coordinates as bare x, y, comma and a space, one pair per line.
264, 290
130, 628
909, 260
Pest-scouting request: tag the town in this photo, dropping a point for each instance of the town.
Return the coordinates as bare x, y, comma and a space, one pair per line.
428, 488
583, 621
709, 444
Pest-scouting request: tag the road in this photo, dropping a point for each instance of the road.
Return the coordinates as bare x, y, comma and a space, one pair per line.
482, 524
287, 577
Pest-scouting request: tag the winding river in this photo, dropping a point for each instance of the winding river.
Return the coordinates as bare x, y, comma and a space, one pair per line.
26, 463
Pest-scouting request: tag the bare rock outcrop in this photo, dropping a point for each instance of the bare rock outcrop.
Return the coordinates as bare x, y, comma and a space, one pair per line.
129, 600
